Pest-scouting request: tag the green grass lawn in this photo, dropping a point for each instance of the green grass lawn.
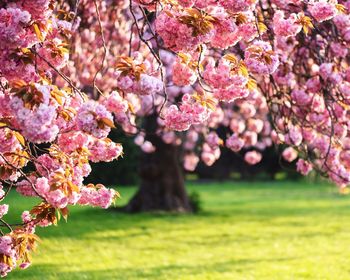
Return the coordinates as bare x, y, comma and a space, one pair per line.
278, 230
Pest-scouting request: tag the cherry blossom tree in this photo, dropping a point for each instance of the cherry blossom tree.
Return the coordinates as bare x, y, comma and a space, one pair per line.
169, 73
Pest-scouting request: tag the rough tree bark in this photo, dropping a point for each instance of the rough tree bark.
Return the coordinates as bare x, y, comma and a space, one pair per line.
162, 186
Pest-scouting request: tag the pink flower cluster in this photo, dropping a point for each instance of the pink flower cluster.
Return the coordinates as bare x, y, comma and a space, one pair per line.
146, 85
176, 35
183, 75
38, 124
323, 10
227, 84
286, 27
223, 32
6, 248
238, 6
94, 118
98, 196
235, 143
260, 58
190, 161
253, 157
290, 154
115, 103
189, 113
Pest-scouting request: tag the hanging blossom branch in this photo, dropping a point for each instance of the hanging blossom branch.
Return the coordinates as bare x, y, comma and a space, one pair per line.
52, 125
105, 50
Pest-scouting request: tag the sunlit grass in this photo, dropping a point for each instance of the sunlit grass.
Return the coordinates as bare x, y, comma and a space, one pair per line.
245, 231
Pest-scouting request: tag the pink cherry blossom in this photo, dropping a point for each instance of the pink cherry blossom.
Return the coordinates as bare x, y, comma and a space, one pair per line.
252, 157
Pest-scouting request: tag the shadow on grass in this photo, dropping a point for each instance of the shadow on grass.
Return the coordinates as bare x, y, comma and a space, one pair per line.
87, 221
233, 218
151, 272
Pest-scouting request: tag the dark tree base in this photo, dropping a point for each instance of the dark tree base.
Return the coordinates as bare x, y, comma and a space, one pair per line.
146, 203
162, 179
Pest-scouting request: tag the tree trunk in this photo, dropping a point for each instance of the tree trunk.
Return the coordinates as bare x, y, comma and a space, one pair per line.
162, 180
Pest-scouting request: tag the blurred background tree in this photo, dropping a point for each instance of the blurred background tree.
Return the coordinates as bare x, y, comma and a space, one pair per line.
230, 166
